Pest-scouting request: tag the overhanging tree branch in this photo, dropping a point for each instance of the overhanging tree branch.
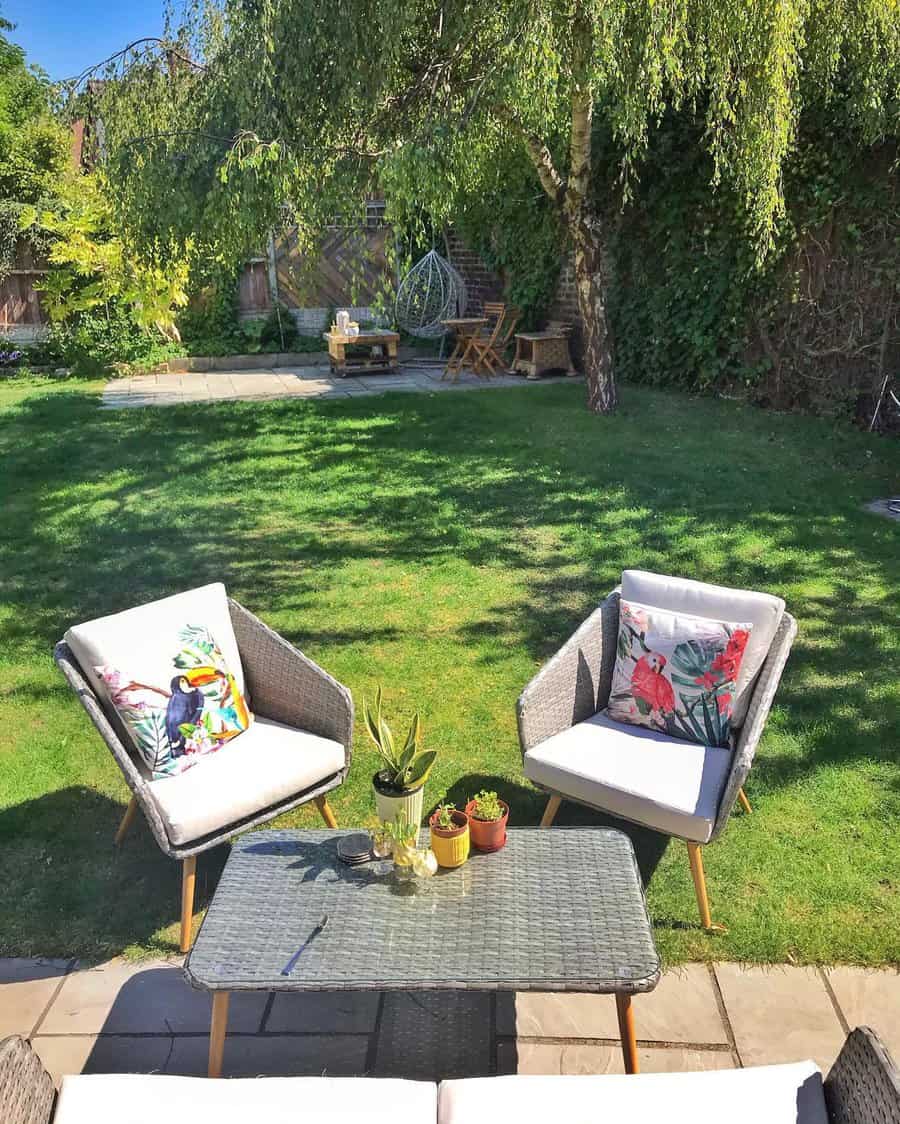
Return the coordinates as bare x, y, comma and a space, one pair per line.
551, 181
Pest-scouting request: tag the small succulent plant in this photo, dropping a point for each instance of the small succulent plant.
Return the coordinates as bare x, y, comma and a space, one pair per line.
487, 806
444, 813
408, 767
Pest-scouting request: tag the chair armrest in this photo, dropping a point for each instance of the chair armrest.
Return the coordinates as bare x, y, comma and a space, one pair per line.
575, 683
287, 687
863, 1085
27, 1095
757, 713
115, 741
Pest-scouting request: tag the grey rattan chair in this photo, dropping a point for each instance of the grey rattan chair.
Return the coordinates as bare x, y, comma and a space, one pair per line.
283, 686
862, 1087
574, 685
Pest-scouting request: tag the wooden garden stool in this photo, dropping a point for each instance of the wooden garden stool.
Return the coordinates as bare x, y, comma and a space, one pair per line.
538, 352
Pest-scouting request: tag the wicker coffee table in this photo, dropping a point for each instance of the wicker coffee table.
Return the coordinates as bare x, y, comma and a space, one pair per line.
559, 910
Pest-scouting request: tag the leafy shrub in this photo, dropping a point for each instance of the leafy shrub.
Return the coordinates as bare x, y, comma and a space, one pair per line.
93, 342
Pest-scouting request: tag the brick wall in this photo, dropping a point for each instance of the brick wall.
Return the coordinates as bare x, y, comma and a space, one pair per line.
565, 305
482, 284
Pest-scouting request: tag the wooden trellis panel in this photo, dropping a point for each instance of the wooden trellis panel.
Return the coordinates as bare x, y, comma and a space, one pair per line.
351, 269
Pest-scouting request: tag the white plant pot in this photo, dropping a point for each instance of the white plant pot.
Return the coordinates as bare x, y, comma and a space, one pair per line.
388, 806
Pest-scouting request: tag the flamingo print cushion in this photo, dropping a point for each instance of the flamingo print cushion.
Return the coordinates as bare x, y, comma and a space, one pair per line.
676, 673
193, 707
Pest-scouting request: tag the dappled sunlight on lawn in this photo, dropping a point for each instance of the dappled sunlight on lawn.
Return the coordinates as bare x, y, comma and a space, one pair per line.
444, 546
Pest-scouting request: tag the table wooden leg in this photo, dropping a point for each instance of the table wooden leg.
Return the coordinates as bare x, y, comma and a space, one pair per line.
626, 1033
217, 1032
454, 356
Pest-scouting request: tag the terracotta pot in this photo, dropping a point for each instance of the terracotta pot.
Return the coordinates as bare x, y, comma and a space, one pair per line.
450, 844
389, 803
487, 835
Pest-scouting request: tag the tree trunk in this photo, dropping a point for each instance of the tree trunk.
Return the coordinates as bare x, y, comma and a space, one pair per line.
591, 284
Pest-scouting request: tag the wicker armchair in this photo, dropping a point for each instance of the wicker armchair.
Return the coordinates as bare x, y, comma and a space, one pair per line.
862, 1087
574, 685
285, 687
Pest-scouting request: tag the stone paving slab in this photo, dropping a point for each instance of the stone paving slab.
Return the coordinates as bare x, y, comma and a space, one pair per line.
344, 1012
682, 1008
545, 1058
165, 389
148, 997
26, 988
274, 1055
871, 998
780, 1014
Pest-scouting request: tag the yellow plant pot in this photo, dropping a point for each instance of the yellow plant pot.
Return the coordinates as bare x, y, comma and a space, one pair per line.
451, 847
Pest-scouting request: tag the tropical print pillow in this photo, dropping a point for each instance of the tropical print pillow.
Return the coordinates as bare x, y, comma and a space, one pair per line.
676, 673
194, 710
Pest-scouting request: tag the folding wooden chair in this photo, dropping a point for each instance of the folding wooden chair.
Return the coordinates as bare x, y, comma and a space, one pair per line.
488, 351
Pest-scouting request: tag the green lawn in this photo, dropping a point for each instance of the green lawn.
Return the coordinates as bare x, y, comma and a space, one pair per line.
444, 545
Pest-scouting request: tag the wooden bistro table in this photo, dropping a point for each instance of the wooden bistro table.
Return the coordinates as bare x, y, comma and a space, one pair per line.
559, 910
465, 327
381, 340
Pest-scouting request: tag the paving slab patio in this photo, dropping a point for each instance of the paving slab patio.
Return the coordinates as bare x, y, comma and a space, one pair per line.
780, 1014
872, 997
125, 1016
167, 389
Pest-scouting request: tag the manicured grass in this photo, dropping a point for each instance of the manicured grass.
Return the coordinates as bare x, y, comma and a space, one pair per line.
444, 545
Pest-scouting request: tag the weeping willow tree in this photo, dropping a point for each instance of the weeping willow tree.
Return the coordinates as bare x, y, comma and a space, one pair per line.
259, 105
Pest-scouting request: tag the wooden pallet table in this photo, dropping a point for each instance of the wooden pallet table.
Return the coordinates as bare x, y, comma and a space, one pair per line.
539, 352
382, 352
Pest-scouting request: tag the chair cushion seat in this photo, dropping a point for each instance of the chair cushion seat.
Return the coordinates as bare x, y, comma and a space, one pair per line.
777, 1094
268, 763
642, 775
116, 1098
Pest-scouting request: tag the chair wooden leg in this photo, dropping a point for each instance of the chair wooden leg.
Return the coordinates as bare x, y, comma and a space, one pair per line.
127, 820
743, 801
626, 1033
188, 876
325, 809
550, 811
699, 883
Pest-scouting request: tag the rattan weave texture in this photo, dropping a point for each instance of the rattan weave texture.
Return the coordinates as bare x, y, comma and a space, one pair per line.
863, 1086
552, 911
26, 1089
283, 685
575, 683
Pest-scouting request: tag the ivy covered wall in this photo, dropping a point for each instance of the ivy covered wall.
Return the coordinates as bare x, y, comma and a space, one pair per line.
812, 324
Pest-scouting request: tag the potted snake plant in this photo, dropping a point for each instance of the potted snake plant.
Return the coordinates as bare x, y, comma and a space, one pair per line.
399, 783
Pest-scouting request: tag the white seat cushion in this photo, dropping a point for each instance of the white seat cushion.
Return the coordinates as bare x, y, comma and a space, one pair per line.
265, 765
132, 1099
762, 610
642, 775
777, 1094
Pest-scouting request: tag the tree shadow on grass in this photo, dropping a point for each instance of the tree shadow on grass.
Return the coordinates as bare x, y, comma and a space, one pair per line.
283, 500
73, 888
